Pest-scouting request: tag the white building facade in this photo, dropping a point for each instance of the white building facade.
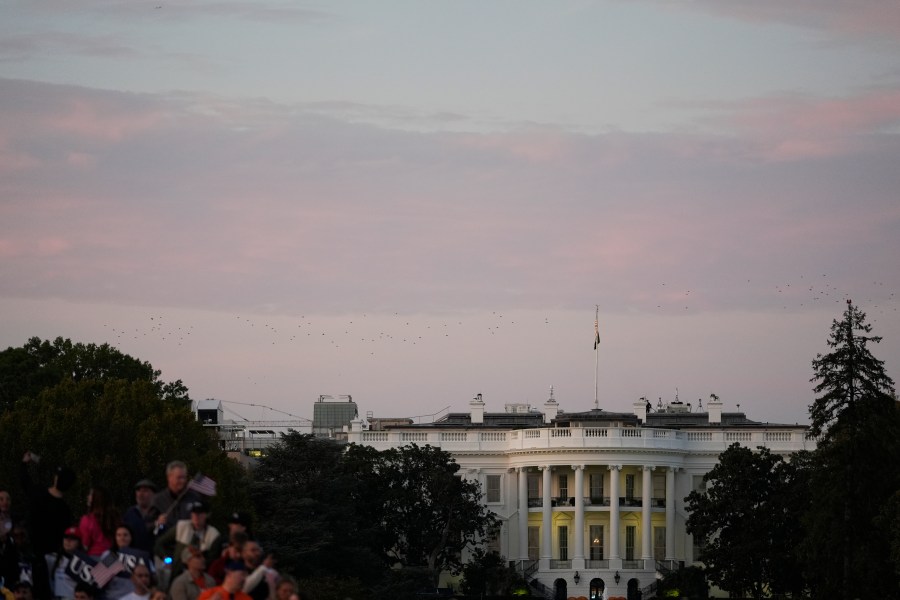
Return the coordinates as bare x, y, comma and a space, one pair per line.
592, 501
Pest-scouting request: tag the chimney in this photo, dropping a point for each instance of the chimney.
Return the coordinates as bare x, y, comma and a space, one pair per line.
551, 408
714, 408
640, 409
477, 410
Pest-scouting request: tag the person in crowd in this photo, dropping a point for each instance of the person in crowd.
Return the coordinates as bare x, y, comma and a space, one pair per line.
122, 584
98, 526
195, 531
25, 550
238, 521
23, 590
6, 518
286, 589
85, 591
174, 503
49, 516
194, 579
140, 581
158, 594
9, 558
261, 578
232, 586
61, 584
141, 517
232, 552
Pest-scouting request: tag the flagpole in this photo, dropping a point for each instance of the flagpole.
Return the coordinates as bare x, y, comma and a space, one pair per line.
596, 355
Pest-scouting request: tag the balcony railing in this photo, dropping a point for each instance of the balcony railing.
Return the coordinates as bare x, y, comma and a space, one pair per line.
535, 502
779, 441
633, 564
560, 564
602, 563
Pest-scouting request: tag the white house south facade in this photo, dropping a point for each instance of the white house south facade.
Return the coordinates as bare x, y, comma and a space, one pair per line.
589, 501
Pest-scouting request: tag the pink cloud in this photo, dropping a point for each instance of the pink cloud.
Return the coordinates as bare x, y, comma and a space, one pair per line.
860, 18
794, 127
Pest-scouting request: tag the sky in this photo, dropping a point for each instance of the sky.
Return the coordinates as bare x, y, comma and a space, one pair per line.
415, 202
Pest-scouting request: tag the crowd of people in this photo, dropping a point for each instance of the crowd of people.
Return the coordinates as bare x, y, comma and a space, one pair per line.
160, 548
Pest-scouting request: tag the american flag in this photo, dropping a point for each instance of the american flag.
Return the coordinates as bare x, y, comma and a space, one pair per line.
203, 484
106, 568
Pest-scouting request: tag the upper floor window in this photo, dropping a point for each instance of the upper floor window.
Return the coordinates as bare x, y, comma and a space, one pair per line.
493, 488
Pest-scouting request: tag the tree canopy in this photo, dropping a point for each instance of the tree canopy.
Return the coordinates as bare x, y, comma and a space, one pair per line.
748, 521
850, 380
107, 416
355, 512
854, 473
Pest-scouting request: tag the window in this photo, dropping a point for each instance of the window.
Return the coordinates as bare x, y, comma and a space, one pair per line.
596, 485
563, 542
596, 542
493, 488
659, 490
534, 543
563, 486
533, 486
659, 543
493, 542
630, 531
629, 486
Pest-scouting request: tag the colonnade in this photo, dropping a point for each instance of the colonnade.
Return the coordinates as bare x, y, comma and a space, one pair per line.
615, 552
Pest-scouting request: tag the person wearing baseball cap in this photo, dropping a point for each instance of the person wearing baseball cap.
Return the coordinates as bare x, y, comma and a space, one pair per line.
141, 518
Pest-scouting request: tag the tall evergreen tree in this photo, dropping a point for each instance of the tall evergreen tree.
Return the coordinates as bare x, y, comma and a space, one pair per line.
850, 380
855, 471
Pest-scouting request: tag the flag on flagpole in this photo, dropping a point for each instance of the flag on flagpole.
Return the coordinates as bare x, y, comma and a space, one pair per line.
596, 333
106, 568
203, 484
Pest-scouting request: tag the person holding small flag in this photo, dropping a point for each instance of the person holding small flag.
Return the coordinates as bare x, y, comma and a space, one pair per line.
174, 503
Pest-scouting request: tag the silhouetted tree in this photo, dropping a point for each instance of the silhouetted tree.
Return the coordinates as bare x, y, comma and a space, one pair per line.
854, 472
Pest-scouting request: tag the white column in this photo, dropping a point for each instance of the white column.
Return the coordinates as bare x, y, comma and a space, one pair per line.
546, 533
670, 513
614, 514
646, 484
523, 513
578, 559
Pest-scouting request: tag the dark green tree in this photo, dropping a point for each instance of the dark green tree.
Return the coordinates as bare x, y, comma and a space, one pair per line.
488, 573
103, 413
431, 515
318, 521
114, 437
850, 381
391, 520
854, 474
689, 582
748, 522
39, 364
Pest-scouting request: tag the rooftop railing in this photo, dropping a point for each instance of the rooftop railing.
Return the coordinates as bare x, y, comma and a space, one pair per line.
572, 438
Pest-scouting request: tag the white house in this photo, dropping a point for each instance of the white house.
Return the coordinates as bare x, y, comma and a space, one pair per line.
589, 501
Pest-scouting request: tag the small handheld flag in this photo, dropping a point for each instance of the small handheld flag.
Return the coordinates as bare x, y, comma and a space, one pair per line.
203, 484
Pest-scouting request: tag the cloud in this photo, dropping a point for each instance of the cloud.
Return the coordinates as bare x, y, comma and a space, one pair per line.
194, 200
19, 47
862, 19
789, 127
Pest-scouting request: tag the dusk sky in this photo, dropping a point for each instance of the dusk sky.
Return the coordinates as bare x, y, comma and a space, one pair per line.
415, 202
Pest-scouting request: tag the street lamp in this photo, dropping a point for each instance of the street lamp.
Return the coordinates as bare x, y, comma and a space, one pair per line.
617, 577
577, 577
